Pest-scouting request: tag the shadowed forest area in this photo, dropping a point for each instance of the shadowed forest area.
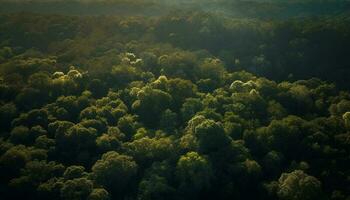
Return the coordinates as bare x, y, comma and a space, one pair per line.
170, 100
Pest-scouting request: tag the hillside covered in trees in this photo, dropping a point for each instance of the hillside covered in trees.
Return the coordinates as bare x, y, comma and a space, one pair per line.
192, 103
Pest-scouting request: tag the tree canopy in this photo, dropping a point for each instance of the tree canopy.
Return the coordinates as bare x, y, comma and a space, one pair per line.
190, 104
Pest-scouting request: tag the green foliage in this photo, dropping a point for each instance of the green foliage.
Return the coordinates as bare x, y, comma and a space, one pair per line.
108, 170
210, 136
346, 118
186, 105
73, 172
150, 103
298, 185
76, 189
99, 194
155, 187
194, 173
148, 150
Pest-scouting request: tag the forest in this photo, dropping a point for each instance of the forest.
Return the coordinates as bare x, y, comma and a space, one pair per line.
174, 100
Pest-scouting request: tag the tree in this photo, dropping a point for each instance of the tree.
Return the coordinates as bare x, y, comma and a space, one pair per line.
108, 142
181, 64
194, 174
29, 98
211, 136
20, 135
298, 185
283, 135
7, 113
51, 189
40, 81
76, 189
124, 74
212, 69
150, 104
77, 144
99, 125
6, 52
340, 108
346, 118
297, 100
43, 142
180, 89
128, 125
147, 150
155, 187
190, 107
13, 160
32, 118
73, 172
188, 142
98, 88
98, 194
34, 173
110, 168
176, 119
168, 120
58, 129
272, 163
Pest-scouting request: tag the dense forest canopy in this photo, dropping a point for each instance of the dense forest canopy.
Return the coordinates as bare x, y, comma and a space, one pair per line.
151, 99
280, 9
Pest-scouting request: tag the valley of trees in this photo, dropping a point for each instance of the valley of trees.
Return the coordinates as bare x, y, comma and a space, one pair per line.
186, 105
